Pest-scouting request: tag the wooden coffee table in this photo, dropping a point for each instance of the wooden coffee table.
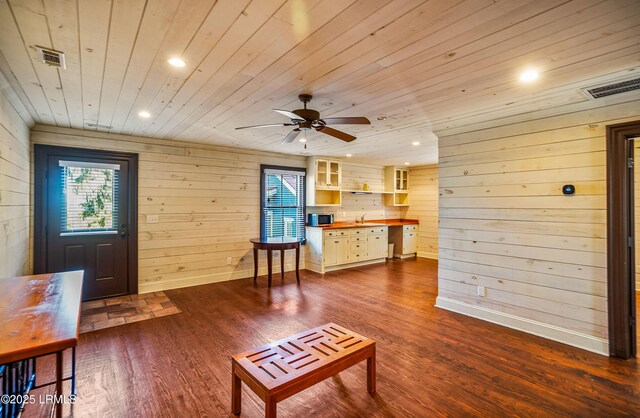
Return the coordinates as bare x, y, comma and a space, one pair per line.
283, 368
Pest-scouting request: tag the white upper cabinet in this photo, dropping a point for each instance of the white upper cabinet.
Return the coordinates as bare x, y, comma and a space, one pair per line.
396, 186
328, 174
324, 182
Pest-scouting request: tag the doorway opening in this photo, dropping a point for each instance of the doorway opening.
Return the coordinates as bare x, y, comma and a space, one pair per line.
621, 270
86, 217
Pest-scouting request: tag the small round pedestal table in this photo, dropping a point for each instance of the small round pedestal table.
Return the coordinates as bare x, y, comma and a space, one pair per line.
271, 244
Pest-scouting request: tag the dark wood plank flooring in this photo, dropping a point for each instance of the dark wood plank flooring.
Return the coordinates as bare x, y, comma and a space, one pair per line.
430, 362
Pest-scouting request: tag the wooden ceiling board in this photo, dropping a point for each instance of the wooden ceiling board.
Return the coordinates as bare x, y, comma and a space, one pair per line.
30, 17
123, 35
287, 72
185, 24
340, 63
19, 60
242, 29
423, 64
479, 83
250, 68
93, 17
199, 59
62, 20
156, 22
442, 59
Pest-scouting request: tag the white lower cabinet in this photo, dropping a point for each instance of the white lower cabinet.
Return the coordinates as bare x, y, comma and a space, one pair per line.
335, 250
342, 248
377, 246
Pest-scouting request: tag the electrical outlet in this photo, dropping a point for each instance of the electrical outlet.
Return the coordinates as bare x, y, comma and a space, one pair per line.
153, 219
229, 260
344, 214
482, 291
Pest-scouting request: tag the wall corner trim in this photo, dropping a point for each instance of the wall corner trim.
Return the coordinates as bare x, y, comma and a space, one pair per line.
551, 332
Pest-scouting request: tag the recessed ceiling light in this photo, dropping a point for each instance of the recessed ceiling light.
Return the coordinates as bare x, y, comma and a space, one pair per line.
349, 155
529, 75
303, 139
177, 62
407, 163
415, 143
144, 114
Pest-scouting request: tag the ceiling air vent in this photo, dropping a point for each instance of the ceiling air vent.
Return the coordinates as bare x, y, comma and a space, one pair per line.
52, 57
605, 90
97, 125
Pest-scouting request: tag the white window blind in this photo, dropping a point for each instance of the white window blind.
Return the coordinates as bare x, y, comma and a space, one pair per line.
90, 197
283, 203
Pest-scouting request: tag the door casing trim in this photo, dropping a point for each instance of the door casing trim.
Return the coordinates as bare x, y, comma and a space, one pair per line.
41, 155
620, 278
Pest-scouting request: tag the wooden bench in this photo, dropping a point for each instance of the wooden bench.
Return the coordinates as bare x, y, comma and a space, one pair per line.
283, 368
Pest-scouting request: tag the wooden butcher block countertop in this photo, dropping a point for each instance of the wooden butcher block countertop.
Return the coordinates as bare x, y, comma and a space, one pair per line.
377, 222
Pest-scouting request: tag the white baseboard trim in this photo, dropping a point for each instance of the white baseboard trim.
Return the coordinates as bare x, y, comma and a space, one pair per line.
356, 264
551, 332
424, 254
214, 278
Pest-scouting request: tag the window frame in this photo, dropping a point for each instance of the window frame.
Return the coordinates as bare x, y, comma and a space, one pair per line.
263, 200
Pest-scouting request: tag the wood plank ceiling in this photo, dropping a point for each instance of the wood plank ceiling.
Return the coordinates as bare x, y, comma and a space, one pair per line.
417, 65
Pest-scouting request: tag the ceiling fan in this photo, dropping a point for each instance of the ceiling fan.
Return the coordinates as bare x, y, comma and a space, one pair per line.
306, 119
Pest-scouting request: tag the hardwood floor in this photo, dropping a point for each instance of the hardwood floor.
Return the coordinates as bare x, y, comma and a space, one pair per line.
430, 362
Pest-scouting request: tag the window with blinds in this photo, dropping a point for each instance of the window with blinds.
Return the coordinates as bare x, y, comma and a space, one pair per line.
283, 202
89, 197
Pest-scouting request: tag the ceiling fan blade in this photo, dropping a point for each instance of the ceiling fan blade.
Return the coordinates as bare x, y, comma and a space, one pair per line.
288, 114
266, 126
291, 136
358, 120
334, 132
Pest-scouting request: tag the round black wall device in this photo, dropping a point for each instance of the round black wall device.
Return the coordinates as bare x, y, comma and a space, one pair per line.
568, 189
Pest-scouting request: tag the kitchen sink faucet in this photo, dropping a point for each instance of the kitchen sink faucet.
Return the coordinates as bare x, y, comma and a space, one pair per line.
362, 218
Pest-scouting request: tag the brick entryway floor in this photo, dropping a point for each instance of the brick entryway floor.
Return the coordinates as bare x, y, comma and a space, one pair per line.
105, 313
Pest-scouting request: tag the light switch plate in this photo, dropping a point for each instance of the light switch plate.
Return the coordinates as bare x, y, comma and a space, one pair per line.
153, 219
482, 291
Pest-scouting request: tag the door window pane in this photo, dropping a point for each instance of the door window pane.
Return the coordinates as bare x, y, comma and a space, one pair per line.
89, 196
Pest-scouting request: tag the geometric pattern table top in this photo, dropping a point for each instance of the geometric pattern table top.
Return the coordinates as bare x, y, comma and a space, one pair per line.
285, 362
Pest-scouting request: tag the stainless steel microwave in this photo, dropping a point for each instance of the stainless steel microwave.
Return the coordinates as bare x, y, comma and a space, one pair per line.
318, 219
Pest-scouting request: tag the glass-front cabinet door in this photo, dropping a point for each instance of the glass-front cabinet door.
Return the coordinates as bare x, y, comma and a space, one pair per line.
334, 178
401, 179
322, 168
404, 179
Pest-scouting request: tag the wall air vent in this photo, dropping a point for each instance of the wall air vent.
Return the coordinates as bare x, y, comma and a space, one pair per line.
605, 90
97, 125
52, 57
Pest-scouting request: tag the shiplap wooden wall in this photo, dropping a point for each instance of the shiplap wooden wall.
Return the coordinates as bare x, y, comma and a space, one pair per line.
14, 188
423, 205
505, 225
207, 199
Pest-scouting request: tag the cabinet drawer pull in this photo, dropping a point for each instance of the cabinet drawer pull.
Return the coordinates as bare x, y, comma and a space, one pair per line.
337, 242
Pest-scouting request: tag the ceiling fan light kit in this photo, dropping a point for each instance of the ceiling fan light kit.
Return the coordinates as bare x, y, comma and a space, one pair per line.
306, 119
